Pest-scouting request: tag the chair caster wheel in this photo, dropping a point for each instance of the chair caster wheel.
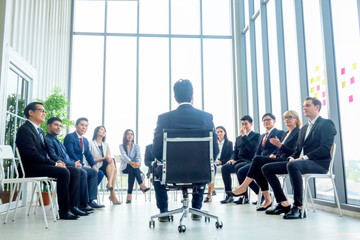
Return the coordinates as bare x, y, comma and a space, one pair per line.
151, 223
207, 219
219, 224
181, 228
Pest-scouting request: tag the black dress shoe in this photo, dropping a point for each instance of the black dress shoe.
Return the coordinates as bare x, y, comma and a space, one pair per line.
242, 200
87, 209
230, 193
67, 215
208, 199
78, 212
195, 217
93, 204
279, 209
228, 199
164, 219
295, 213
264, 208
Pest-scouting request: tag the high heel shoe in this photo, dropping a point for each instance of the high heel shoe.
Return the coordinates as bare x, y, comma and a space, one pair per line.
264, 208
230, 193
145, 190
115, 203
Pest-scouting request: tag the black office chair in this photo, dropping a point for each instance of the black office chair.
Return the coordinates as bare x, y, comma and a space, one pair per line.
187, 161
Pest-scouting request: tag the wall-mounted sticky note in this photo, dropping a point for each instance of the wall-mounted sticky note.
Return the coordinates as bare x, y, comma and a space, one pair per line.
352, 80
323, 94
316, 95
323, 82
351, 98
318, 78
318, 88
312, 80
316, 68
312, 90
343, 84
324, 102
342, 71
354, 65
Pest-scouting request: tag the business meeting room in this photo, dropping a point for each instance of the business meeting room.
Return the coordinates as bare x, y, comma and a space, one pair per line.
179, 119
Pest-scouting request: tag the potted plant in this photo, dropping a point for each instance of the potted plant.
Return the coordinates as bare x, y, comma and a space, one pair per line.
45, 194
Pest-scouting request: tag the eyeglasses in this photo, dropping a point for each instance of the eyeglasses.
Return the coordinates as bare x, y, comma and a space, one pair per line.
267, 119
40, 109
289, 117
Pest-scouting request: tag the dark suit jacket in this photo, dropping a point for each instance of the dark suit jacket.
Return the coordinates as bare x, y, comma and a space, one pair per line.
318, 144
56, 150
184, 117
245, 147
74, 150
226, 152
288, 146
149, 158
269, 148
31, 148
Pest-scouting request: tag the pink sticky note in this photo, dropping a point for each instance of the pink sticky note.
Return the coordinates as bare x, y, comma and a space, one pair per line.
318, 88
352, 80
351, 98
342, 71
323, 94
324, 102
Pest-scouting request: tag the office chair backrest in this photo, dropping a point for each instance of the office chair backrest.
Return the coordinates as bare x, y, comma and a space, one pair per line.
188, 156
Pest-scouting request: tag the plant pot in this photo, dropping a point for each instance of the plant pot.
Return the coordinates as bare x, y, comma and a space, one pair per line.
46, 199
6, 197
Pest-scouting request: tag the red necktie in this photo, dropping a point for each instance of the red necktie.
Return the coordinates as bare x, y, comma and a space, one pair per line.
264, 140
82, 143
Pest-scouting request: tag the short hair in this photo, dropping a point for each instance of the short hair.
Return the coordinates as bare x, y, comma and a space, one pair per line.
81, 119
183, 90
293, 113
270, 115
96, 130
53, 119
315, 101
225, 135
31, 106
247, 118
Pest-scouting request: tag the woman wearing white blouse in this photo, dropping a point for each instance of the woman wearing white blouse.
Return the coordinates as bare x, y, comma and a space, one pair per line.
101, 154
131, 162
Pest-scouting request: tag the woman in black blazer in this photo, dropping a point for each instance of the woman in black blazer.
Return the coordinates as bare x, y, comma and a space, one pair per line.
225, 151
285, 148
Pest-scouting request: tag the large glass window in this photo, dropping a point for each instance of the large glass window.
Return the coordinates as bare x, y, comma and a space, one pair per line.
347, 52
249, 76
89, 16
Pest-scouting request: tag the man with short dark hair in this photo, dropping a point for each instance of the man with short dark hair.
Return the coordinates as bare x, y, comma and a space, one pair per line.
77, 146
311, 155
38, 161
58, 149
184, 117
244, 150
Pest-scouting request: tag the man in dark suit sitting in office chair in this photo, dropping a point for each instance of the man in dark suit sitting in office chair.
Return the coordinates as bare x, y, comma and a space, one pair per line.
311, 155
38, 161
184, 117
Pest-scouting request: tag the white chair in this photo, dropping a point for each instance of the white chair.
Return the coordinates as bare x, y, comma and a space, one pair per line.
329, 175
17, 182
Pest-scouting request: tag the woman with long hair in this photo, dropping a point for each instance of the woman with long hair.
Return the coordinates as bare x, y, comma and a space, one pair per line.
131, 162
101, 153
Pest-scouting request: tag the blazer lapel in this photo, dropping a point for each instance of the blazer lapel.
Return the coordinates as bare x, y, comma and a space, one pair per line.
313, 127
292, 134
77, 140
36, 133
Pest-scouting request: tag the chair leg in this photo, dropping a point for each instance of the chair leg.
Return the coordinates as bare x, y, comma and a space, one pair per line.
42, 205
17, 200
311, 198
12, 192
259, 198
336, 197
51, 200
32, 198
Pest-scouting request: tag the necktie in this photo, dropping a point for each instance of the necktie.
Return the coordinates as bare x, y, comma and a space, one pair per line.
264, 140
82, 143
65, 155
41, 136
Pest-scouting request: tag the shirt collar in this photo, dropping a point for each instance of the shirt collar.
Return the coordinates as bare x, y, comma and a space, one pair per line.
249, 132
78, 135
270, 131
35, 126
184, 103
314, 120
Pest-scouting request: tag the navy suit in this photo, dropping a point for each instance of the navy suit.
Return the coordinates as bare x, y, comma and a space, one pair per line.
87, 174
184, 117
316, 147
38, 161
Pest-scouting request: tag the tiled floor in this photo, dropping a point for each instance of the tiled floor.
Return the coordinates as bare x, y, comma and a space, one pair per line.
131, 221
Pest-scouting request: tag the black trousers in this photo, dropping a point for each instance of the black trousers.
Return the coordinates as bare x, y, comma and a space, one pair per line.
227, 170
68, 182
241, 175
133, 173
295, 170
256, 173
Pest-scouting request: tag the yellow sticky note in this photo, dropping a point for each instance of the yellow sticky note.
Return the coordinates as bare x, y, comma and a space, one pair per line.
316, 68
316, 95
323, 82
312, 80
318, 78
312, 90
354, 65
343, 84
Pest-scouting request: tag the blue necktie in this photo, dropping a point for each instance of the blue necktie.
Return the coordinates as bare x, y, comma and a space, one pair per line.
41, 136
65, 155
